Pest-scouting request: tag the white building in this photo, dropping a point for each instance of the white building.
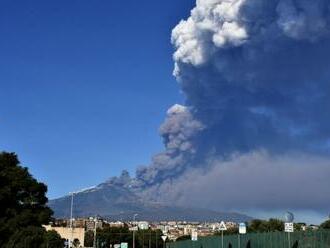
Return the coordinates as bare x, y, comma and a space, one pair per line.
143, 225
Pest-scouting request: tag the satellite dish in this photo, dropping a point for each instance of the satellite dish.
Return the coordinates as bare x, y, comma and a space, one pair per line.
288, 217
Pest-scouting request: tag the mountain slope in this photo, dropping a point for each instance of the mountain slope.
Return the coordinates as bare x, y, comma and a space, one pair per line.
118, 202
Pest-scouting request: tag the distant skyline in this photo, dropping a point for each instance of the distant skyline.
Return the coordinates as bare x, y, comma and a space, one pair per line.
85, 86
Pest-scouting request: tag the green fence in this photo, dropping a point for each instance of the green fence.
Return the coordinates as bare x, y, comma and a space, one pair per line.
308, 239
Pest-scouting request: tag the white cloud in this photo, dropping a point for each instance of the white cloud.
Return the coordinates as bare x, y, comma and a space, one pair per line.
212, 25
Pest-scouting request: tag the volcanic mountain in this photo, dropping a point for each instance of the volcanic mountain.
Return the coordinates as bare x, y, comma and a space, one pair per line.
120, 199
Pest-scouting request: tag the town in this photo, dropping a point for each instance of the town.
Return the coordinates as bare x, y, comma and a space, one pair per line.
77, 229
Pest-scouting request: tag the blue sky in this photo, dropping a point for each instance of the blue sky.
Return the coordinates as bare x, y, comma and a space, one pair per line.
85, 85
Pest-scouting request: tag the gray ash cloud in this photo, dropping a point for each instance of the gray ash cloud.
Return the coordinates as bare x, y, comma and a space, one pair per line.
256, 77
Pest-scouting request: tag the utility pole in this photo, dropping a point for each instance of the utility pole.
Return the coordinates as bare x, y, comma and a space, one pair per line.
239, 241
71, 221
95, 226
289, 240
134, 229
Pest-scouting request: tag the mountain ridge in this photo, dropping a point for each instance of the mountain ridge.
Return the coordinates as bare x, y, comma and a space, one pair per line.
115, 200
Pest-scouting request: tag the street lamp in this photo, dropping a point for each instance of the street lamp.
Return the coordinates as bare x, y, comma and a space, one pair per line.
71, 220
95, 226
134, 229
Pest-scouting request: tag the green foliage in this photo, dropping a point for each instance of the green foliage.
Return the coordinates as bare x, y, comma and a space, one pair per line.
32, 237
53, 240
229, 231
35, 237
89, 239
298, 226
113, 235
22, 201
275, 225
266, 226
184, 237
149, 238
117, 235
76, 243
257, 226
326, 224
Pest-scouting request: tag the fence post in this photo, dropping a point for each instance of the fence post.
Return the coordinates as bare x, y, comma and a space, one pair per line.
239, 241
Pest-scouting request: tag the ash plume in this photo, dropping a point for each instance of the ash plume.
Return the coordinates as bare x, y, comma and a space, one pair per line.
256, 77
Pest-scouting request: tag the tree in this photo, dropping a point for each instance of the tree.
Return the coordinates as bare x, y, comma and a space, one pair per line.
266, 226
299, 226
89, 239
35, 237
257, 226
275, 225
113, 235
149, 238
116, 235
76, 243
229, 231
184, 237
22, 201
326, 224
32, 237
53, 240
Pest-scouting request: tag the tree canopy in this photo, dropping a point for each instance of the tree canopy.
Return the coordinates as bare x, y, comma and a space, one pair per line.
266, 226
115, 235
35, 237
23, 202
326, 224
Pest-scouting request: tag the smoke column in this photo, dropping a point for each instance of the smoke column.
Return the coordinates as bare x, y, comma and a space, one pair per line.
255, 129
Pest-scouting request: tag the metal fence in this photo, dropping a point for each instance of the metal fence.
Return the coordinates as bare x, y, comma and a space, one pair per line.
306, 239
